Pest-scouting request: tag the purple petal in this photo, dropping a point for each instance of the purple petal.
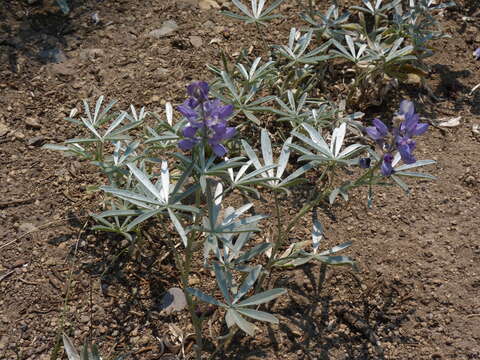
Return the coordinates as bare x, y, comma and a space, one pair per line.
187, 144
420, 129
406, 154
225, 112
373, 133
230, 132
198, 90
381, 127
192, 102
386, 169
187, 111
190, 131
219, 150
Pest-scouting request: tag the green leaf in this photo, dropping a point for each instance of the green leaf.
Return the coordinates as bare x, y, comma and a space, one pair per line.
243, 324
204, 297
72, 353
258, 315
248, 283
263, 297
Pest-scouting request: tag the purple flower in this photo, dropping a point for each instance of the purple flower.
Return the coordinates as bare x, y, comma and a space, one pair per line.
410, 126
405, 148
378, 131
476, 54
207, 120
198, 90
387, 169
364, 163
407, 129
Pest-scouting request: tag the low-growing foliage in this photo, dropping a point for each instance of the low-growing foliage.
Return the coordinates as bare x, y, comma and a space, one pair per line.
150, 179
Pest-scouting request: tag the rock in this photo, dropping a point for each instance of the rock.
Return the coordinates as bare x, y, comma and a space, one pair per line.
33, 123
173, 300
167, 28
187, 4
208, 4
3, 129
19, 135
36, 141
196, 41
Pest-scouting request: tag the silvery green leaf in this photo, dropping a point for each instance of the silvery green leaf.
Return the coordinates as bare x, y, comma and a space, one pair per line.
272, 7
222, 283
204, 297
317, 138
327, 154
70, 348
98, 105
415, 165
91, 128
267, 151
251, 154
335, 260
141, 218
337, 139
415, 174
132, 197
165, 177
248, 283
337, 248
255, 251
145, 181
229, 319
351, 150
284, 156
299, 261
262, 297
258, 315
293, 176
178, 227
242, 8
317, 232
243, 324
114, 124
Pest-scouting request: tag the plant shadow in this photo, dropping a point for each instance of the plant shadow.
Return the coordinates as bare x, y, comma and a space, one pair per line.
316, 324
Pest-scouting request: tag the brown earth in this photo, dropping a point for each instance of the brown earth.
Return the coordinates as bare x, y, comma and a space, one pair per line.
417, 295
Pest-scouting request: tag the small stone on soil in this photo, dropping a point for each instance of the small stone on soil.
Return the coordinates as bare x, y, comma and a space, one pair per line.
196, 41
33, 122
167, 28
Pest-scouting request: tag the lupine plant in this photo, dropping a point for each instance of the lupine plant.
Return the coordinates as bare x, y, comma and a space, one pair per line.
193, 199
387, 45
179, 171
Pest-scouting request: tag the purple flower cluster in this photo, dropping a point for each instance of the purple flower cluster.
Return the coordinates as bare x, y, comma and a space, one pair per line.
207, 120
476, 54
399, 137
